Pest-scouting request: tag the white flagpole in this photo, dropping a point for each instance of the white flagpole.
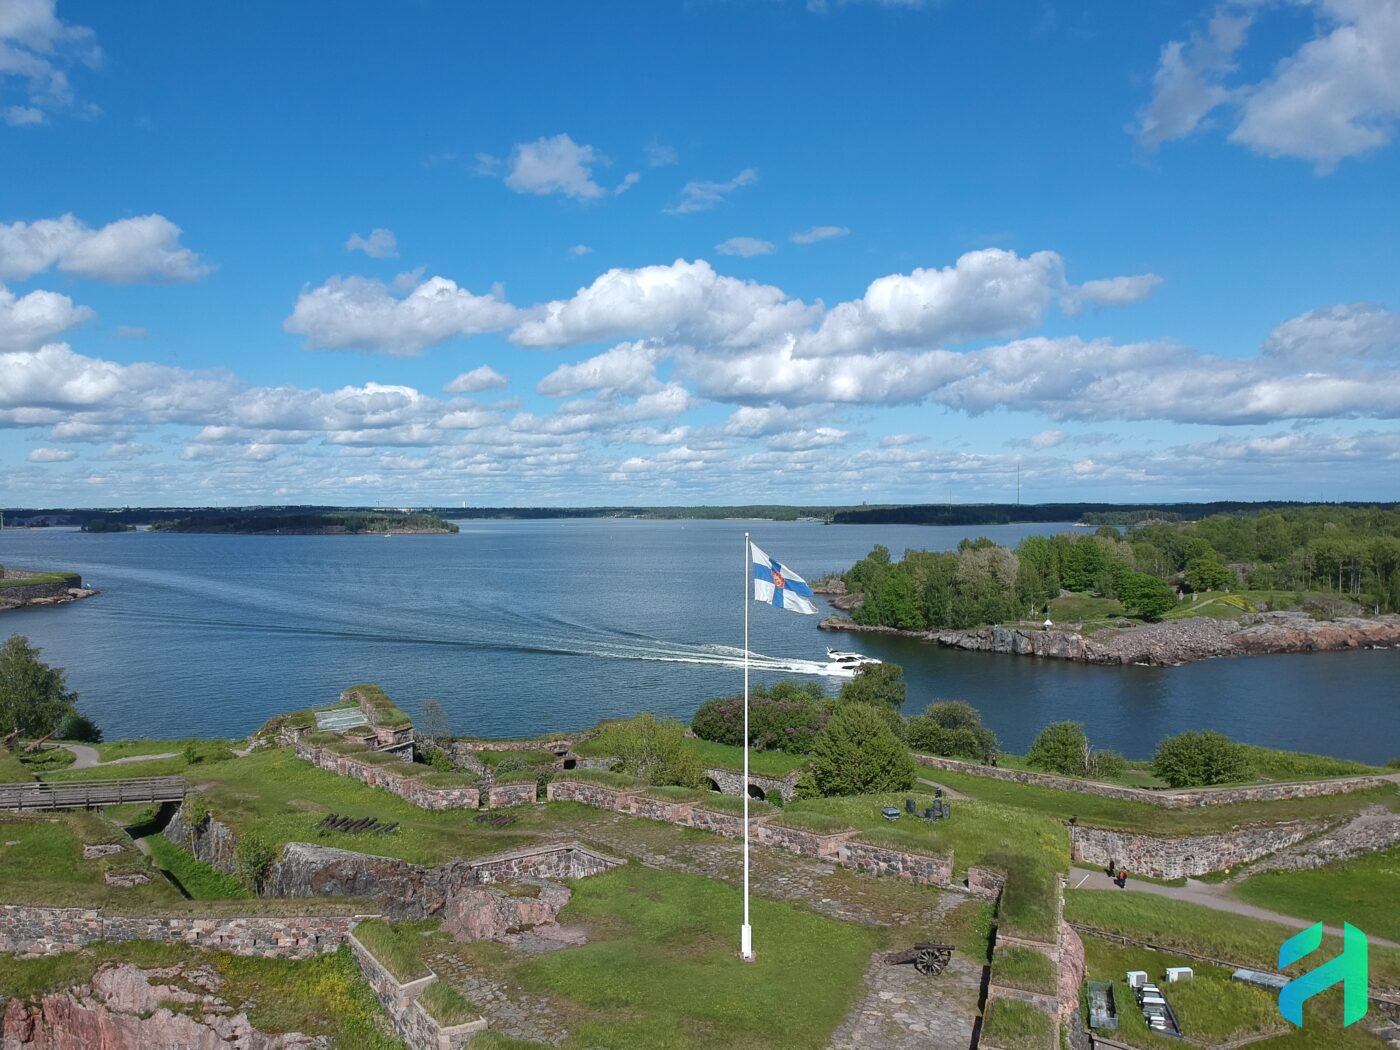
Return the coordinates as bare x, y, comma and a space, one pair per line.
746, 931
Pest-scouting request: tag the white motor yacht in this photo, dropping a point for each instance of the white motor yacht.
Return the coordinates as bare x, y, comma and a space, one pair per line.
845, 665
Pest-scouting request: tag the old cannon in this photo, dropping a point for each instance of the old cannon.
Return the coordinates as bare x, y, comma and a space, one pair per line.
930, 958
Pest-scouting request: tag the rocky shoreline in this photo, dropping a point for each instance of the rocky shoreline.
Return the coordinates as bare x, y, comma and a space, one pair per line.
1164, 644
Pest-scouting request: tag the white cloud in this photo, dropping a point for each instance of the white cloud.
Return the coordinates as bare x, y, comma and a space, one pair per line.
1111, 291
52, 455
580, 249
1347, 331
628, 181
355, 312
819, 233
802, 440
681, 302
986, 293
901, 440
37, 48
629, 368
129, 331
554, 165
31, 320
486, 164
1047, 439
703, 195
745, 246
659, 156
380, 244
142, 249
1336, 96
477, 380
779, 375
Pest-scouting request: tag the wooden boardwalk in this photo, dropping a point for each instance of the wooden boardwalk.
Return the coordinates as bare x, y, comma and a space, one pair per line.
86, 794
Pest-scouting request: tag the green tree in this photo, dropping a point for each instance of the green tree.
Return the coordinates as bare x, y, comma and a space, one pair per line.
952, 729
33, 696
81, 728
876, 684
1061, 747
1208, 573
858, 754
1147, 596
1198, 758
433, 725
654, 752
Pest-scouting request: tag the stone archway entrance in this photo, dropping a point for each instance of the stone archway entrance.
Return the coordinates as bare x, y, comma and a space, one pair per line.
757, 792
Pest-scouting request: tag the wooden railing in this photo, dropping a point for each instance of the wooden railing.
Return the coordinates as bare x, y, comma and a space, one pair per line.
85, 794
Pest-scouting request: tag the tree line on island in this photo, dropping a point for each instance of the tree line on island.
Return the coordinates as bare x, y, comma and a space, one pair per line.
1349, 552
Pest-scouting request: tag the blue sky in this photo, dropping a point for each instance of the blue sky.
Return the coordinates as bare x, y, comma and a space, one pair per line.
703, 252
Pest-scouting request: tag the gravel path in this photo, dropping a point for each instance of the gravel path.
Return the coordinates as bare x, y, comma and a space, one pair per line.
903, 1010
88, 758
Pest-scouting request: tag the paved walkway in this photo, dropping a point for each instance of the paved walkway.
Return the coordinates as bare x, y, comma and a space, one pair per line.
88, 758
1206, 895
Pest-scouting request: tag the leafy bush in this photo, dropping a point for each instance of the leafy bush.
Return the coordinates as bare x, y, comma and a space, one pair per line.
785, 717
876, 684
34, 697
1197, 759
654, 752
1063, 747
952, 729
858, 754
254, 856
82, 729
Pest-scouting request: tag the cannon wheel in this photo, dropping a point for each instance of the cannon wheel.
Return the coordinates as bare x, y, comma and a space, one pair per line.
932, 961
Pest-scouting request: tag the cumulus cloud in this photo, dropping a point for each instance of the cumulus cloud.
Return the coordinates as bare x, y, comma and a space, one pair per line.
628, 181
684, 301
52, 455
629, 368
554, 165
745, 246
36, 49
1336, 96
703, 195
1347, 331
127, 251
1110, 291
359, 313
777, 374
31, 320
819, 233
380, 244
477, 380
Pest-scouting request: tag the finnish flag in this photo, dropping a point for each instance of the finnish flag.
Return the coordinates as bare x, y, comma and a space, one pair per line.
775, 584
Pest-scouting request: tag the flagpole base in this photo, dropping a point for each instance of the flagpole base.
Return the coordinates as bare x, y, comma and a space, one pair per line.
746, 943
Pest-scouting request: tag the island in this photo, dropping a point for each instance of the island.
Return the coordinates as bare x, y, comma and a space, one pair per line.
1157, 592
333, 523
25, 587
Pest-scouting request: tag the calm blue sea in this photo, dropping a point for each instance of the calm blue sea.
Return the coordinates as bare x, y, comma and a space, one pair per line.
519, 627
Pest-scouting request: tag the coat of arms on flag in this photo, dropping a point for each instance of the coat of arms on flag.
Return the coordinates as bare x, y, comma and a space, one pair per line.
775, 584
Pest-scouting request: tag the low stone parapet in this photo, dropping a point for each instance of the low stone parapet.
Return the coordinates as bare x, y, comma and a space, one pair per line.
555, 860
391, 777
730, 825
501, 796
800, 840
658, 809
986, 883
912, 867
1173, 857
411, 1021
731, 782
598, 795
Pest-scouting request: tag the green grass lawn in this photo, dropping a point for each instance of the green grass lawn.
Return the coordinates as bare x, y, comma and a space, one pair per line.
1080, 607
199, 881
1364, 891
491, 759
976, 829
12, 770
1144, 817
41, 862
115, 749
399, 946
1015, 1025
765, 763
1178, 925
1016, 967
324, 996
662, 968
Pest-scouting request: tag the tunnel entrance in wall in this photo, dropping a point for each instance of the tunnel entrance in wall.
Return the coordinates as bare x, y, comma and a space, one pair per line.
714, 784
756, 792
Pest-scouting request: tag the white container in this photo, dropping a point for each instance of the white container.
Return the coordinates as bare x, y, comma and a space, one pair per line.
1137, 978
1179, 973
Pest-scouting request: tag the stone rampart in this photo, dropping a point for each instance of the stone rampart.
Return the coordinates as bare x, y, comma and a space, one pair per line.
557, 860
557, 746
1177, 799
913, 867
730, 825
208, 840
986, 883
502, 795
1374, 829
48, 931
731, 782
411, 1021
599, 796
799, 840
658, 809
391, 778
1167, 857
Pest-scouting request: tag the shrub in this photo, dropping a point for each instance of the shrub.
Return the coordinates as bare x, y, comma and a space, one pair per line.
1063, 747
952, 729
440, 760
82, 729
654, 752
254, 856
1196, 759
876, 684
858, 754
785, 717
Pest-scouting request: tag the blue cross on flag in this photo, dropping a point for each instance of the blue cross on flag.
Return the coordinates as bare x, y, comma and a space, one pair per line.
775, 584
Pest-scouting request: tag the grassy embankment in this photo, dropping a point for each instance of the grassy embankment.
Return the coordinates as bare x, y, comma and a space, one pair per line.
711, 755
27, 581
1364, 891
324, 996
1091, 614
658, 970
